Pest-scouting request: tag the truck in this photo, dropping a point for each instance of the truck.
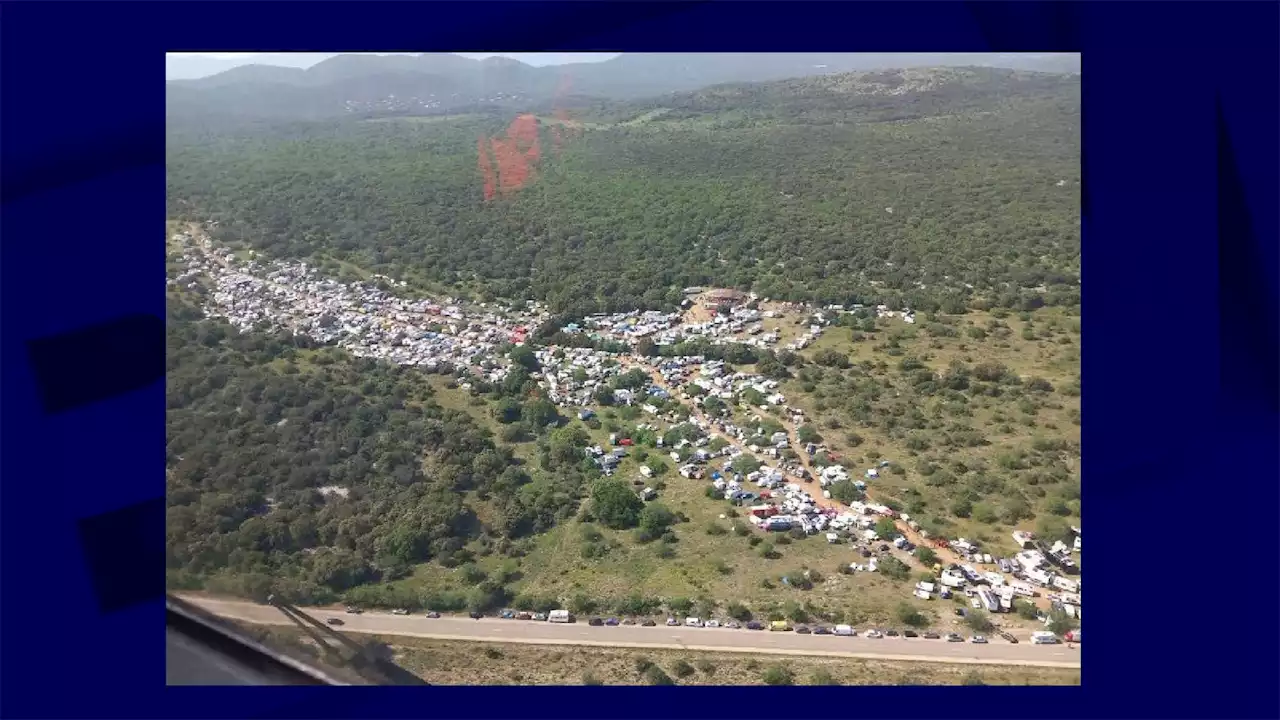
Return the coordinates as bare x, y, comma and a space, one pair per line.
559, 616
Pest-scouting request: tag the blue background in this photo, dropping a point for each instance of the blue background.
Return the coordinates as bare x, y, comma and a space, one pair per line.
1180, 358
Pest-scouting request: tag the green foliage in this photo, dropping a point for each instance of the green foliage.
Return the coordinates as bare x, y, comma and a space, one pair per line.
614, 504
846, 492
886, 528
978, 621
682, 669
910, 616
655, 676
926, 556
778, 675
894, 568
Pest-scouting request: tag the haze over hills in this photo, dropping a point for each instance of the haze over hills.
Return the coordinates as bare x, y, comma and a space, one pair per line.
275, 89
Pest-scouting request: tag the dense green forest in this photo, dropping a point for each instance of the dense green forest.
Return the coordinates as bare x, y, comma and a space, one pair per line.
940, 189
306, 471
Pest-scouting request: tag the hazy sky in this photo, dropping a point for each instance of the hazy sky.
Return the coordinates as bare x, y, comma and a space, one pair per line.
549, 58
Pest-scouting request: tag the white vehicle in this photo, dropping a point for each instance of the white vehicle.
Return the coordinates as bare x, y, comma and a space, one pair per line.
713, 623
1044, 637
692, 622
559, 616
873, 634
399, 611
845, 630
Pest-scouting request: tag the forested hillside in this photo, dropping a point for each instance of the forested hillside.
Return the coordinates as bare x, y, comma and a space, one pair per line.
933, 188
302, 470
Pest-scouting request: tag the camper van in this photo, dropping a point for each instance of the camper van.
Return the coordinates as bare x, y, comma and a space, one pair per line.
846, 630
559, 616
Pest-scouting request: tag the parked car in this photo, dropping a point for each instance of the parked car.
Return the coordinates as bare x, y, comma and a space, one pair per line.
540, 616
648, 622
978, 639
910, 633
433, 614
931, 635
692, 622
1008, 637
613, 622
628, 621
672, 622
954, 637
477, 615
803, 630
891, 633
508, 614
733, 624
399, 611
335, 621
713, 623
873, 634
753, 625
353, 610
822, 630
595, 622
524, 616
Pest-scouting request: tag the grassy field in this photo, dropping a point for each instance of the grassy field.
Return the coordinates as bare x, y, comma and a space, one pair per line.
1029, 441
444, 662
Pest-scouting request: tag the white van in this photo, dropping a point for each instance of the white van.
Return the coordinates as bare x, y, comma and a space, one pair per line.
692, 622
559, 616
843, 630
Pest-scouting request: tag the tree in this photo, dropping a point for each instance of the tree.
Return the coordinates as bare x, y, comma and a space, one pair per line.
745, 464
525, 357
614, 504
893, 568
978, 621
886, 528
846, 492
911, 616
680, 605
655, 517
961, 508
926, 556
1060, 623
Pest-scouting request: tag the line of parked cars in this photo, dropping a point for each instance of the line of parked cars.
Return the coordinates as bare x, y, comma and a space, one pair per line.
775, 626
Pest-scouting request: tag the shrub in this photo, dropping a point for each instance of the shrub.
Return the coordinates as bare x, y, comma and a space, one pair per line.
589, 679
738, 611
706, 667
682, 669
778, 675
715, 528
822, 677
655, 676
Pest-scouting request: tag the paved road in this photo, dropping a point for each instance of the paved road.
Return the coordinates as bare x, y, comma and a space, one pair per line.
662, 637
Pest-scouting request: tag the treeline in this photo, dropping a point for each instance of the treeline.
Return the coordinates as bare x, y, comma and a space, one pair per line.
979, 204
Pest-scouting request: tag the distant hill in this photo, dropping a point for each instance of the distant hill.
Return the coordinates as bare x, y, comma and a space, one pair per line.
439, 82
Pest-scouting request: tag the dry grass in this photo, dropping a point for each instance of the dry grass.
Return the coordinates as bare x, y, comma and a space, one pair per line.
448, 662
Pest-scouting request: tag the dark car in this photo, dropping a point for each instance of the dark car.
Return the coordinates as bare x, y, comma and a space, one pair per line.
524, 616
611, 622
508, 614
884, 548
334, 621
433, 614
931, 636
954, 637
353, 610
822, 630
910, 633
1008, 637
754, 625
803, 630
891, 633
595, 622
864, 553
648, 622
477, 615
